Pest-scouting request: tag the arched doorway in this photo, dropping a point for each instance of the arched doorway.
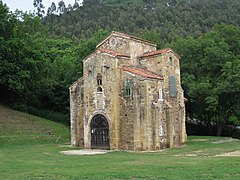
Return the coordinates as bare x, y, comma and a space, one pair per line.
99, 132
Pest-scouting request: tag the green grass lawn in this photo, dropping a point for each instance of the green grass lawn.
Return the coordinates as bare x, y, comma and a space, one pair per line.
24, 158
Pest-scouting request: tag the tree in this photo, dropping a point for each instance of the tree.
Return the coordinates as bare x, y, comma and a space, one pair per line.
61, 7
76, 5
211, 76
153, 36
52, 9
40, 7
69, 8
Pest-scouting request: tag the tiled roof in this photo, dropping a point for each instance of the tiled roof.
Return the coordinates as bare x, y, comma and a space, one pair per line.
114, 33
113, 53
161, 51
142, 72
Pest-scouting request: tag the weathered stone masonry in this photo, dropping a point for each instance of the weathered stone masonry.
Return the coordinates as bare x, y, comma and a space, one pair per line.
129, 97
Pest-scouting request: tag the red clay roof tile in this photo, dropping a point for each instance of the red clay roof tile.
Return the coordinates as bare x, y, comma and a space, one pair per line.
142, 72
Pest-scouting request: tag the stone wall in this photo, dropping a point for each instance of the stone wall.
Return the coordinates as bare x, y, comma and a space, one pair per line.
168, 65
76, 112
105, 102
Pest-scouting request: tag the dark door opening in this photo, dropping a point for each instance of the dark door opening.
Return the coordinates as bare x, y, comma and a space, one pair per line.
99, 133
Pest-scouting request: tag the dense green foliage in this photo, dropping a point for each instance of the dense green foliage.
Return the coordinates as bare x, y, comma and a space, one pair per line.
37, 70
171, 18
211, 76
34, 68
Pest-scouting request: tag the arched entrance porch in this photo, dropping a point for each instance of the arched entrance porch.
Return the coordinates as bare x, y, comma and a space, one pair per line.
99, 132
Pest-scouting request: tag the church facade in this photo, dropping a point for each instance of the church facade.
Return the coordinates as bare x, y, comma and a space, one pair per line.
129, 98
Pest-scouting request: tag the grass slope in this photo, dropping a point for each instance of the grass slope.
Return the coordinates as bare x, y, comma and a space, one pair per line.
21, 157
17, 128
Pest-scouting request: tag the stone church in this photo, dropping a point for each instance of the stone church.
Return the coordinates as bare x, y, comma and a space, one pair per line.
129, 98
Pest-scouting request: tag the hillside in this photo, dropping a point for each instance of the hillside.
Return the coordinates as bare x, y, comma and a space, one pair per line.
21, 128
169, 18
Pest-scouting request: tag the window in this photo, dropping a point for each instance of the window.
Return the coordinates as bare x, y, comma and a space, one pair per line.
89, 73
170, 61
127, 88
161, 130
172, 86
99, 89
99, 79
82, 94
160, 96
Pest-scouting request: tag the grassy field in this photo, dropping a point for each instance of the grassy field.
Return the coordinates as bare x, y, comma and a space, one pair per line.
36, 155
19, 128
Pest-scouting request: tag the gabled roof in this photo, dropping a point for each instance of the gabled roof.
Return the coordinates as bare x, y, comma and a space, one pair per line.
161, 51
108, 52
119, 34
142, 72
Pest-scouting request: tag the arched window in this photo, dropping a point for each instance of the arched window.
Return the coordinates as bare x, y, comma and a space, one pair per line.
99, 79
99, 89
172, 86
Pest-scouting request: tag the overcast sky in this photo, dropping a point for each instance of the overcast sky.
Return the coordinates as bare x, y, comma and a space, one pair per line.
27, 5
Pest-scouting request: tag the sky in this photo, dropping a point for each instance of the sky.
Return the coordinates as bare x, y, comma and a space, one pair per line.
27, 5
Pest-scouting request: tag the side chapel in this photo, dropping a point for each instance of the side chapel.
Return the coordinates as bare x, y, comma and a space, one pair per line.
129, 98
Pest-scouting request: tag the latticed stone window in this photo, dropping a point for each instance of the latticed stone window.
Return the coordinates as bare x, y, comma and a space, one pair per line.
127, 88
173, 86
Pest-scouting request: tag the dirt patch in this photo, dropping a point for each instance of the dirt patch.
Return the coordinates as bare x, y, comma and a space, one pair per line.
225, 141
230, 154
191, 155
85, 152
199, 140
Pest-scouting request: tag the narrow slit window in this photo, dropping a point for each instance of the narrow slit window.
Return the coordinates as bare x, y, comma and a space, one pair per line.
127, 88
170, 61
160, 97
161, 131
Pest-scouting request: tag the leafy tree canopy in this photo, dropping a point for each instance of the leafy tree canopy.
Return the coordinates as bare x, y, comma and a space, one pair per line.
211, 75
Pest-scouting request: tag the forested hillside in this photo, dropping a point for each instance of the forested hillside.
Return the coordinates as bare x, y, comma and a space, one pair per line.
41, 57
169, 18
